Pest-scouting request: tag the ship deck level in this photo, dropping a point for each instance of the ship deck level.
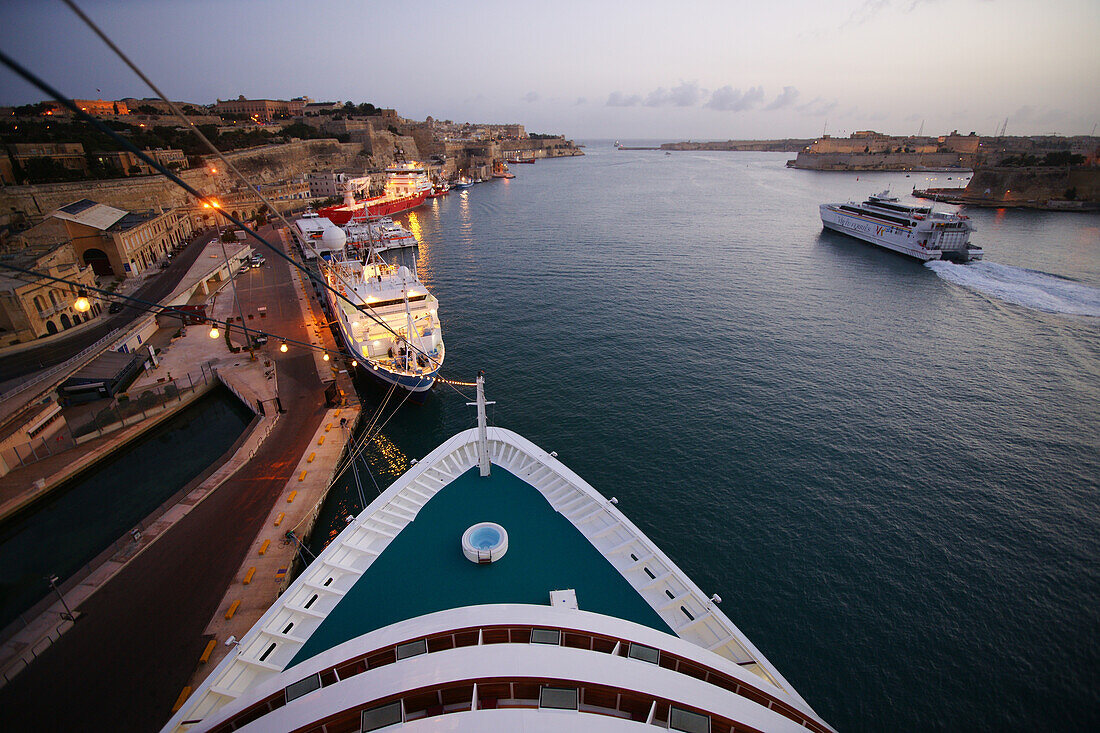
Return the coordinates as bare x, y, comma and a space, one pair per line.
423, 569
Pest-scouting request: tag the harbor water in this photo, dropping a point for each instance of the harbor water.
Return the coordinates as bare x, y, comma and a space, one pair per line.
887, 470
63, 532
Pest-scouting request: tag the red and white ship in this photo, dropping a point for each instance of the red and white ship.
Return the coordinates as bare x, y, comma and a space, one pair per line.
407, 186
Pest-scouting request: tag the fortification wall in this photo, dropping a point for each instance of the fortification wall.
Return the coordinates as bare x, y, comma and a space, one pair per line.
1035, 185
265, 164
881, 161
542, 148
133, 194
271, 163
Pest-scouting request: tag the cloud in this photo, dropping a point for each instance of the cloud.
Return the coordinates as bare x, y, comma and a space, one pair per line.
785, 99
871, 8
817, 107
728, 99
867, 11
687, 94
1036, 115
531, 97
618, 99
580, 100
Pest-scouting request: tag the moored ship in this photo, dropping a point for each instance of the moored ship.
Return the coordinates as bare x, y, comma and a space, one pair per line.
379, 233
391, 326
491, 588
915, 231
407, 186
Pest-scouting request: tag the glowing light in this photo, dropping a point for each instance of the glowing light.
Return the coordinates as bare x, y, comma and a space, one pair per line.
282, 347
325, 357
354, 363
81, 304
214, 332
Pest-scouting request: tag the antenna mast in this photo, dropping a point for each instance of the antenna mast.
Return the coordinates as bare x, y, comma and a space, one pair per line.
482, 427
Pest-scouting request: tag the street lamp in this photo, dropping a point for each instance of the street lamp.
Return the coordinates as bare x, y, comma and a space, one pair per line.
232, 284
68, 615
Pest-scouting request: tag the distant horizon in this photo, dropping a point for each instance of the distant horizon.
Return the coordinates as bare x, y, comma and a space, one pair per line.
702, 70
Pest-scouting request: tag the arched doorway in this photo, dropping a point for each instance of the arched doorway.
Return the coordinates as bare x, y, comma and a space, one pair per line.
98, 261
51, 327
65, 322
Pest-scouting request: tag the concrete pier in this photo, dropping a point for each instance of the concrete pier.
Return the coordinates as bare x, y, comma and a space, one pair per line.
149, 625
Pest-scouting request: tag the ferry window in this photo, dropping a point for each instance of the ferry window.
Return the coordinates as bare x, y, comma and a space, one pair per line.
644, 653
302, 687
413, 648
545, 636
688, 721
558, 698
382, 716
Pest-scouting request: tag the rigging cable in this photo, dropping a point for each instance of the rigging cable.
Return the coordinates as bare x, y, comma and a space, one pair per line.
149, 307
221, 156
30, 77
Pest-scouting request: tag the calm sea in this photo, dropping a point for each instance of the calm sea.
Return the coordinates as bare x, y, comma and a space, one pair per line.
887, 470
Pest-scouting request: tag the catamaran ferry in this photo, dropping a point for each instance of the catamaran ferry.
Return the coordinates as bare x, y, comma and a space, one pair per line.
400, 341
911, 230
490, 588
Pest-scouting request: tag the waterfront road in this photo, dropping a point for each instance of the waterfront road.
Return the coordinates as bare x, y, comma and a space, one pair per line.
123, 664
58, 349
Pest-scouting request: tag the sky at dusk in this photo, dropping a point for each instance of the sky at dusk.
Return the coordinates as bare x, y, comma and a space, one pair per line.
630, 70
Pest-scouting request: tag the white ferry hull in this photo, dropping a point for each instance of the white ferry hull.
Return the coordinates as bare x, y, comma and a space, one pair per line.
889, 237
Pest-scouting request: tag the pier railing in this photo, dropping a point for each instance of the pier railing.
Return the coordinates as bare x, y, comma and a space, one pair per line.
129, 408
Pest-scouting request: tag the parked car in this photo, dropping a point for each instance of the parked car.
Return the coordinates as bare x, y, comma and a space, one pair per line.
114, 307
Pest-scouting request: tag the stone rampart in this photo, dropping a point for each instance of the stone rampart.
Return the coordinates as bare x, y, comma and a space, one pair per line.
264, 164
1012, 186
542, 147
881, 161
132, 194
271, 163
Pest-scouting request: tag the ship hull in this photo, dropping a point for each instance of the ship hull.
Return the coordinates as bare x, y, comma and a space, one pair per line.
382, 206
882, 235
419, 386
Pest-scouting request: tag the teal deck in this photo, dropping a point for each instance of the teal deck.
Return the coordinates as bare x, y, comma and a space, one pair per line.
423, 569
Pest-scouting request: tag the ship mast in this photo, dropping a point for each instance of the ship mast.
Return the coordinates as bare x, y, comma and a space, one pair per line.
409, 324
482, 426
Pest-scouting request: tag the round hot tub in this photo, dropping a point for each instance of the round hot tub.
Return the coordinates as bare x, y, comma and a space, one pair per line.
484, 542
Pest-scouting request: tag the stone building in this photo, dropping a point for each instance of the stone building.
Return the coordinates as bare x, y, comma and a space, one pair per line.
121, 243
29, 307
129, 164
69, 155
102, 107
263, 110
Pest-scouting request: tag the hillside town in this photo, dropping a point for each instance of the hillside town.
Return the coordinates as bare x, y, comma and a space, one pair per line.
301, 152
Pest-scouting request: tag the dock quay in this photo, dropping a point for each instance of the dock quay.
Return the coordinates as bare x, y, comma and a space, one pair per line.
162, 596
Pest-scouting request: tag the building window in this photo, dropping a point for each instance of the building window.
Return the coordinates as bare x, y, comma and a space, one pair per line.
382, 716
687, 721
303, 687
545, 636
558, 698
644, 653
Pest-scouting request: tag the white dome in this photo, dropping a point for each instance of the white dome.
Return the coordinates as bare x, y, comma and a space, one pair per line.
333, 238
